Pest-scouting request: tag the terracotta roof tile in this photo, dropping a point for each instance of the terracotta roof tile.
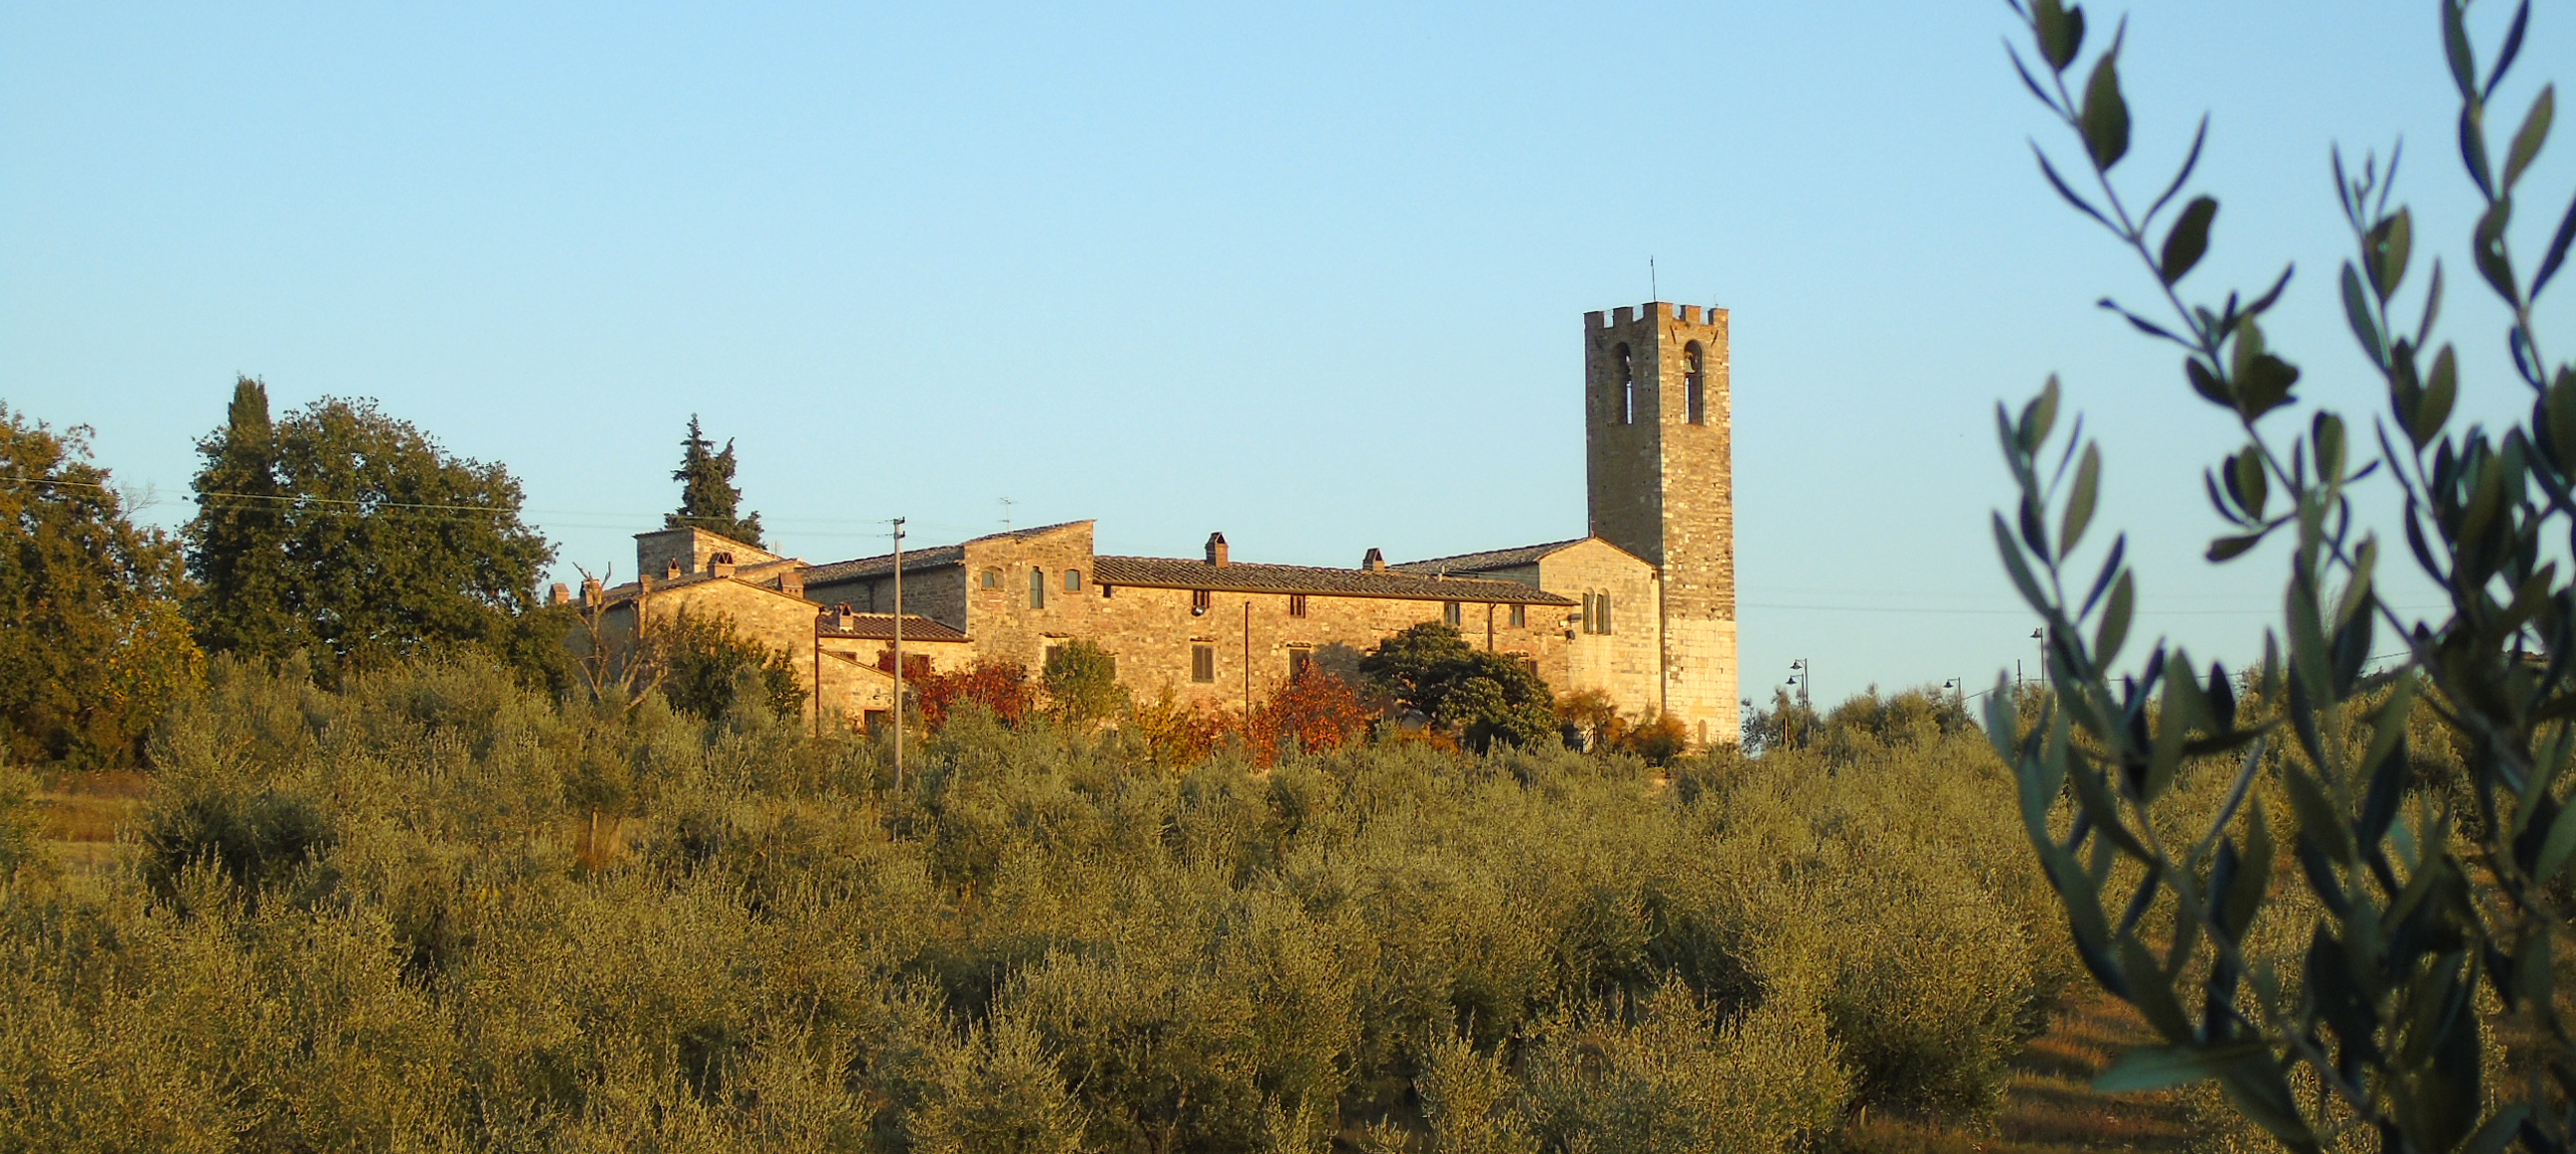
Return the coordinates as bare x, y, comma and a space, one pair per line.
1240, 577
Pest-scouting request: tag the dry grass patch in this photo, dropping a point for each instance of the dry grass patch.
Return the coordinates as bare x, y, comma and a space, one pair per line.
2050, 1106
89, 808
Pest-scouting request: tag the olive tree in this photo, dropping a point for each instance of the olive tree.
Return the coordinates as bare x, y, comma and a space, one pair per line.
2444, 916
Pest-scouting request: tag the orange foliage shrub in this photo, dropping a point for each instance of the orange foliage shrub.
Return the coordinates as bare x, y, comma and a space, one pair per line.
1316, 711
1178, 734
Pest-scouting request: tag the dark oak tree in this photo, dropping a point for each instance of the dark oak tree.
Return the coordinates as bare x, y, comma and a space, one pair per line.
354, 538
1480, 696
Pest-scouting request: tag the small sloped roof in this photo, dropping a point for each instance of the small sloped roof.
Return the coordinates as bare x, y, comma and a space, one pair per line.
1242, 577
627, 592
880, 627
1490, 559
933, 557
914, 561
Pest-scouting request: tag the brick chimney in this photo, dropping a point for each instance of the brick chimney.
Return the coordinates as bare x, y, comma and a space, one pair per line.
1216, 549
591, 591
559, 594
792, 582
1374, 562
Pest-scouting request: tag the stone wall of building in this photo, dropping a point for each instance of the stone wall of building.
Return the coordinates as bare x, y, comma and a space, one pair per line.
937, 592
1701, 684
693, 548
839, 674
1699, 525
1661, 486
1625, 662
1153, 631
774, 619
853, 674
1003, 617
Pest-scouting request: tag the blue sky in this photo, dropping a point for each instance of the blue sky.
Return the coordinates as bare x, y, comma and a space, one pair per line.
1313, 276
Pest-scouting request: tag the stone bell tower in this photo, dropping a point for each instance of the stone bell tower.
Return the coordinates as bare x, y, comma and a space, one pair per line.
1657, 457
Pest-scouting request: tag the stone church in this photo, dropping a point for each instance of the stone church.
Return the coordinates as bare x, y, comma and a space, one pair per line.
1642, 607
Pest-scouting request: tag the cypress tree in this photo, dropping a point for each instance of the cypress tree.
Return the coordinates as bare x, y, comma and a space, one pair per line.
708, 499
236, 544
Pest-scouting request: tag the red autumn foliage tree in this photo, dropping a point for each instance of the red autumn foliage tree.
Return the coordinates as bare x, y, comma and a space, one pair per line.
1315, 709
1000, 686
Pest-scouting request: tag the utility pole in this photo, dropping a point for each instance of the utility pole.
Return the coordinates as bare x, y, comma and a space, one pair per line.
898, 660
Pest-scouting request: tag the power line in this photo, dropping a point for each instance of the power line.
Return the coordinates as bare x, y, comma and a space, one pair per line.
283, 499
564, 518
1945, 612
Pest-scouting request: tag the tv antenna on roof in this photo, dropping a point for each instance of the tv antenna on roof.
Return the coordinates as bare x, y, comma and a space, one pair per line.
1006, 514
1653, 293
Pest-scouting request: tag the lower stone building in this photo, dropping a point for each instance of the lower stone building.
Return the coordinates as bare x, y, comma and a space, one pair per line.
1642, 609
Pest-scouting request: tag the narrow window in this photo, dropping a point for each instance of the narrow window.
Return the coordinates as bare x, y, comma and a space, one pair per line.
1051, 651
1695, 384
1198, 602
992, 578
1604, 602
1520, 616
1104, 590
1449, 613
1627, 386
1591, 614
1299, 661
1203, 663
1073, 580
1296, 605
1037, 588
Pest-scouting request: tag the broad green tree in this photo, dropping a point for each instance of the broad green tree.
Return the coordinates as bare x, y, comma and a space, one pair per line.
708, 499
92, 646
1082, 683
704, 666
1479, 696
352, 537
2360, 960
